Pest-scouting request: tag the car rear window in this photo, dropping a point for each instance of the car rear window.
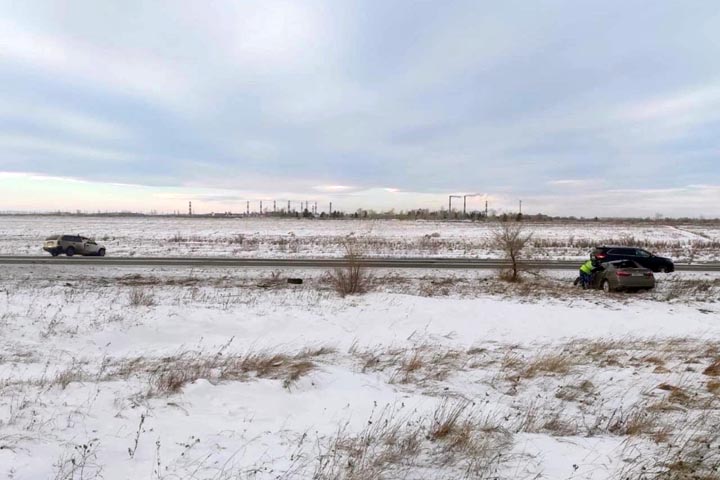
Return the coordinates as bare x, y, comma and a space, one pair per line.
625, 264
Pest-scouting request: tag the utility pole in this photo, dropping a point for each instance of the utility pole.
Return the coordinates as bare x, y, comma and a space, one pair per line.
247, 208
520, 210
330, 208
288, 207
190, 208
274, 207
315, 208
261, 212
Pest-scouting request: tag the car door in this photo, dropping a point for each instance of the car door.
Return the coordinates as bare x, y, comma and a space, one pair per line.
91, 247
79, 245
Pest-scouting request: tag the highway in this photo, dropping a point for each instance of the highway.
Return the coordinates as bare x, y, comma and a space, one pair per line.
395, 263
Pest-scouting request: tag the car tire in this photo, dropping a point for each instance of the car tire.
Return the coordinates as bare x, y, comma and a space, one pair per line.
101, 252
54, 253
605, 286
663, 269
70, 251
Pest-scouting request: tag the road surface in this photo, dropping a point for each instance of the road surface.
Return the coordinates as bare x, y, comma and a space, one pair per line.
444, 263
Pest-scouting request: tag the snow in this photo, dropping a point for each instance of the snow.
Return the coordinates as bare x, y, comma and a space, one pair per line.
54, 318
277, 237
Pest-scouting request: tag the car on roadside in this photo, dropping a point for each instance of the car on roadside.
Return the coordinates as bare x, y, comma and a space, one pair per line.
609, 253
623, 275
73, 245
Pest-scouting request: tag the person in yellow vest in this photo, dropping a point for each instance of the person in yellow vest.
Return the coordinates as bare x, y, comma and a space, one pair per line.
587, 270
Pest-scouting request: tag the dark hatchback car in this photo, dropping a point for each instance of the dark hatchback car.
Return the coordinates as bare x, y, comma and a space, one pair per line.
642, 257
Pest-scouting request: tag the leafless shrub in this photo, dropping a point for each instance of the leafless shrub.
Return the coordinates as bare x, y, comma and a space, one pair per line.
352, 278
510, 239
139, 297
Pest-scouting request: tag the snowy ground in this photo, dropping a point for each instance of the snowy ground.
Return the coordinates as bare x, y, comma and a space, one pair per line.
179, 373
268, 237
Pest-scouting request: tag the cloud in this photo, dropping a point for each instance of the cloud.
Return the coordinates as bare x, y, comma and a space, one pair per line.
122, 71
337, 99
63, 120
26, 143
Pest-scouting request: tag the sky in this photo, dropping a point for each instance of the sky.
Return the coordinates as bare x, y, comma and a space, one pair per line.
578, 108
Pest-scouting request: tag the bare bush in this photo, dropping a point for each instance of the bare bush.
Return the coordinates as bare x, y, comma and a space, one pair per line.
352, 278
511, 240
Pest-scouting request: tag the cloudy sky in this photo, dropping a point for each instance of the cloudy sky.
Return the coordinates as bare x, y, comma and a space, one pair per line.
576, 107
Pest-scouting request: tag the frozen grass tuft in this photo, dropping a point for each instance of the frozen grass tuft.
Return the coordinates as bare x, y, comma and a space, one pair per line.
140, 297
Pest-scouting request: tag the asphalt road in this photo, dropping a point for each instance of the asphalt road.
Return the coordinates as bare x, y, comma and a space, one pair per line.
444, 263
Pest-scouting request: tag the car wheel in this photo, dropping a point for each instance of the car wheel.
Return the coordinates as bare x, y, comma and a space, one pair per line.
54, 253
663, 270
606, 286
70, 252
101, 252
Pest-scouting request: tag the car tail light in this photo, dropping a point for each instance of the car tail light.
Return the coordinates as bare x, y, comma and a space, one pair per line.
648, 274
600, 256
623, 274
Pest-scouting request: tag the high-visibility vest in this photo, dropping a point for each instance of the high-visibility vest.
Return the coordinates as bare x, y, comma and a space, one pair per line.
587, 267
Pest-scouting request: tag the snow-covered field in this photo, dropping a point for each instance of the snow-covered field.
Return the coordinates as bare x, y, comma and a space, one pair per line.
271, 237
234, 374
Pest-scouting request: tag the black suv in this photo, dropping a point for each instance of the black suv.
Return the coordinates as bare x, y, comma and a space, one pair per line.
643, 257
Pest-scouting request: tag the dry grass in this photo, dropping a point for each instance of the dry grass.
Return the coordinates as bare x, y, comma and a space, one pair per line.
398, 445
692, 454
549, 364
713, 370
139, 297
576, 393
416, 365
636, 421
713, 386
169, 375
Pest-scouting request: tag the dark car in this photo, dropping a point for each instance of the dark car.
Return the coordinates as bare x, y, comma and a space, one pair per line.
642, 257
623, 275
